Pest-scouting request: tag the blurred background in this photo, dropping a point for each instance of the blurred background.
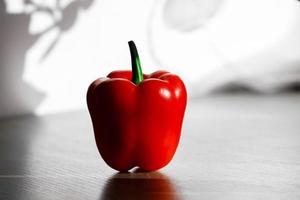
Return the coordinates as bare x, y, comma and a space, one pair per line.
51, 50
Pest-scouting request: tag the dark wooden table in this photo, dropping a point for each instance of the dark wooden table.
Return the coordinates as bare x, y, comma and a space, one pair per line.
232, 147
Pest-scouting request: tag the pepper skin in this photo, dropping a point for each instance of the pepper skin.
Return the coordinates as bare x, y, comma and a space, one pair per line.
137, 123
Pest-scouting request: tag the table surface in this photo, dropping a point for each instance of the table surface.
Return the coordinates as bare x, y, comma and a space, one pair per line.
232, 147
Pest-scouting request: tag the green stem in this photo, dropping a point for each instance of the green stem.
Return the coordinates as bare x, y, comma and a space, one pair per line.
137, 74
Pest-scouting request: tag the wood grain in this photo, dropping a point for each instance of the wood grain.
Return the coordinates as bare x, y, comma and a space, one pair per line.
232, 147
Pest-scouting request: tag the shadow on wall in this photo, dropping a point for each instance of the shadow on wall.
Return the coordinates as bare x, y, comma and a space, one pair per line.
17, 96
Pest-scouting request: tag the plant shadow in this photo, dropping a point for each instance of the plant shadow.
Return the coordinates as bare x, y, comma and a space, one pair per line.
18, 96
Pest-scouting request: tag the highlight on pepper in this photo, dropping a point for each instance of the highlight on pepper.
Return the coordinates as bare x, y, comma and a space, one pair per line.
137, 118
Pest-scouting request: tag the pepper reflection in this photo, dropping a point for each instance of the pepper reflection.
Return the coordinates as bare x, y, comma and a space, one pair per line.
138, 185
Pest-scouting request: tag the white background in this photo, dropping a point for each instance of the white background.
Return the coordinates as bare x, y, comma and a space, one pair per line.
208, 43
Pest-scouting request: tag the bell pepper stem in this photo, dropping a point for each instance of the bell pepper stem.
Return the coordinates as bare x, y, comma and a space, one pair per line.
137, 74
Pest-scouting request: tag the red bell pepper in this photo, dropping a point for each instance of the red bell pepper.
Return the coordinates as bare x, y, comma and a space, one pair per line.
137, 118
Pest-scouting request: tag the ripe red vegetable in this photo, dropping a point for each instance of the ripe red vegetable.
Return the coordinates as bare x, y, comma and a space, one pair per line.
137, 118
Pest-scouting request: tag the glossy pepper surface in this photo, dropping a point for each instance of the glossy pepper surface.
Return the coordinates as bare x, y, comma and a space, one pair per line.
137, 118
